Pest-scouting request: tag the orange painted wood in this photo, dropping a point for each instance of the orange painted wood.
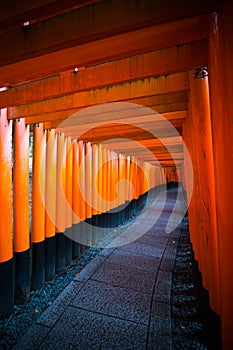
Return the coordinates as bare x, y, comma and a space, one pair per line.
21, 186
89, 179
50, 183
206, 208
128, 186
82, 180
75, 185
109, 175
95, 180
221, 87
6, 247
193, 197
121, 175
38, 185
69, 181
58, 57
100, 179
104, 173
176, 82
61, 184
171, 59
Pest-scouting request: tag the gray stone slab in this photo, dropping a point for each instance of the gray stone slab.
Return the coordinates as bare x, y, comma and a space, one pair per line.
54, 311
81, 329
142, 248
114, 301
33, 338
153, 240
160, 336
90, 268
162, 290
134, 260
126, 277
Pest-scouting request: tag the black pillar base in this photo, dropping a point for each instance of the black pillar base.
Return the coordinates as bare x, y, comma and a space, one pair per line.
209, 319
68, 245
6, 288
60, 253
38, 265
50, 255
76, 245
22, 276
89, 238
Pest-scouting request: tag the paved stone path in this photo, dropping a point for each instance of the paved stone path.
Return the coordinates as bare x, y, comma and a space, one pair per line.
121, 299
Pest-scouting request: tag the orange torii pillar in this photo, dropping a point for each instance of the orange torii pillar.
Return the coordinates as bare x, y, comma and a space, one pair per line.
88, 193
69, 193
82, 194
100, 188
50, 204
121, 186
38, 209
128, 188
61, 203
206, 206
21, 210
221, 91
95, 184
76, 202
6, 251
104, 187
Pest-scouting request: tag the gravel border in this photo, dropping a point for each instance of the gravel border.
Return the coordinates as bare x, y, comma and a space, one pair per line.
187, 329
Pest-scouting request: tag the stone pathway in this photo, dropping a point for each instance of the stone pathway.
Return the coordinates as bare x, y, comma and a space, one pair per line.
121, 299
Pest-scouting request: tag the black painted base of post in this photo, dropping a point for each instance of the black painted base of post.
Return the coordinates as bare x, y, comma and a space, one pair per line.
60, 253
22, 276
89, 237
95, 230
38, 265
209, 319
76, 245
6, 288
68, 245
50, 256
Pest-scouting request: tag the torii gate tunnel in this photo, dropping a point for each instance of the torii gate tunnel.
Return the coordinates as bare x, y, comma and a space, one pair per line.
102, 103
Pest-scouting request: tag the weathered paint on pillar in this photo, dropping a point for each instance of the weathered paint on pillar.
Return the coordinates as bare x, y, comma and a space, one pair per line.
21, 210
221, 89
75, 185
69, 175
50, 204
50, 184
61, 184
206, 206
38, 208
6, 250
38, 185
61, 203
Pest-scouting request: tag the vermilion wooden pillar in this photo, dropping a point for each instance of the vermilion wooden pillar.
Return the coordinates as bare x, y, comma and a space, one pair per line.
6, 251
60, 203
21, 210
206, 205
88, 192
38, 209
192, 196
50, 204
221, 97
68, 193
